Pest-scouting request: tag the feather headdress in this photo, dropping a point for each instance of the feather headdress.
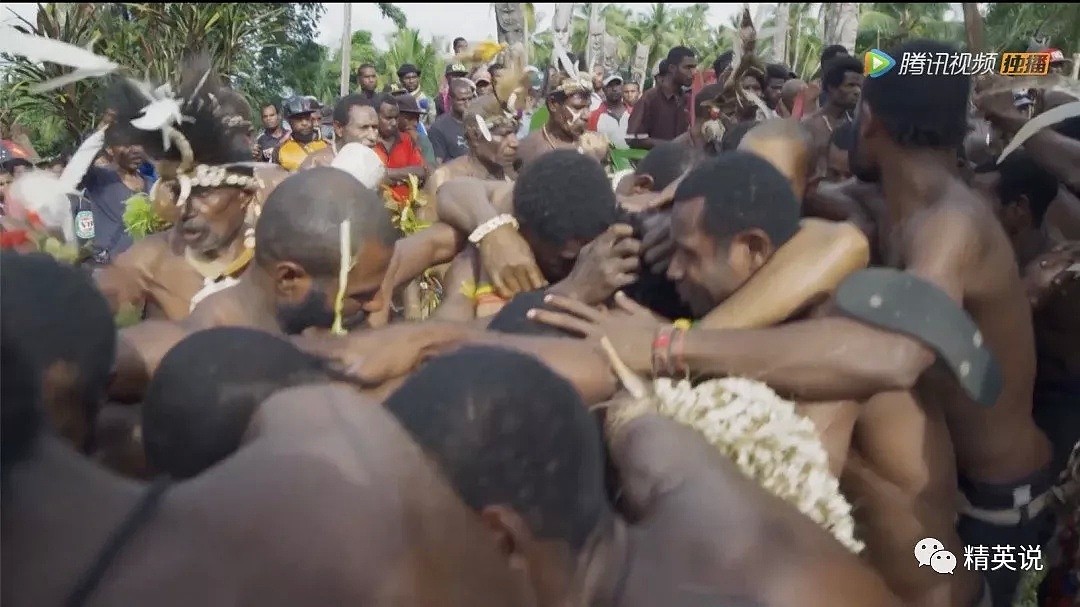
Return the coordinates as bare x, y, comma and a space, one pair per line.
480, 53
567, 79
199, 135
502, 108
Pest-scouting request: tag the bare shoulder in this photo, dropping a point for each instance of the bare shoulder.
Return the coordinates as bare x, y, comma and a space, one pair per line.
146, 252
221, 309
387, 524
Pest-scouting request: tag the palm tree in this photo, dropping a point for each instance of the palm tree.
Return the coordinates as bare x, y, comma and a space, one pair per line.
1012, 26
407, 46
885, 25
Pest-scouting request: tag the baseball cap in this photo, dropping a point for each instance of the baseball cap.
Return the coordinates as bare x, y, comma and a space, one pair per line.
456, 69
294, 106
407, 104
1056, 56
612, 78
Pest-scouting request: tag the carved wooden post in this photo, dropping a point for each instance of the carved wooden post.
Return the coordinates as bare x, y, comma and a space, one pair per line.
510, 21
346, 52
594, 53
560, 26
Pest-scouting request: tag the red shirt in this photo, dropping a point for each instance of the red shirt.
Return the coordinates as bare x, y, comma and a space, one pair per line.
404, 154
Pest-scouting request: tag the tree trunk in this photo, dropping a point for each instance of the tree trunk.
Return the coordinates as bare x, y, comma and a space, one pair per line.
346, 52
780, 33
973, 26
841, 24
510, 20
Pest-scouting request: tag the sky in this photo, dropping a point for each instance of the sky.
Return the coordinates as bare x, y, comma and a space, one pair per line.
470, 20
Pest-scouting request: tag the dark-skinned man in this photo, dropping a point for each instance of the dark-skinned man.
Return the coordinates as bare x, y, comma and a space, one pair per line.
908, 131
842, 80
661, 114
304, 137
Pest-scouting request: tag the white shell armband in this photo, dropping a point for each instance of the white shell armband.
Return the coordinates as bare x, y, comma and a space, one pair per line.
490, 226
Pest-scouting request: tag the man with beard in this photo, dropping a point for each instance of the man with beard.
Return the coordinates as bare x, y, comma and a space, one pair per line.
661, 114
908, 130
729, 218
568, 112
304, 137
214, 191
522, 450
293, 282
842, 81
355, 121
613, 115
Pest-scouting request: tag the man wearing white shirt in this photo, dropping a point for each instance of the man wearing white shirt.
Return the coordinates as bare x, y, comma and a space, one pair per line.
613, 115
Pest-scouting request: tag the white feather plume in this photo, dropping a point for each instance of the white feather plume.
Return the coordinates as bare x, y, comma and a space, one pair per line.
1036, 124
81, 160
46, 194
163, 111
41, 49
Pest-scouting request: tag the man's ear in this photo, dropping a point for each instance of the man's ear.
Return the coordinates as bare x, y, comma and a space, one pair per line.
511, 533
750, 250
291, 281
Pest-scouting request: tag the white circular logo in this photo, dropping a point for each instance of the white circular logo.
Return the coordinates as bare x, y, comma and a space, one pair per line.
84, 225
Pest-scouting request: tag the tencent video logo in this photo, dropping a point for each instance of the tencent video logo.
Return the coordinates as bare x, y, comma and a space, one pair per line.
877, 63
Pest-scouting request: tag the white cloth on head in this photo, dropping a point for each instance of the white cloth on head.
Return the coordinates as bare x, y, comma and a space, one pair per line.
362, 163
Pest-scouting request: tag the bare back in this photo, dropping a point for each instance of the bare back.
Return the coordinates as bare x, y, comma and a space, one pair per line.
957, 242
388, 531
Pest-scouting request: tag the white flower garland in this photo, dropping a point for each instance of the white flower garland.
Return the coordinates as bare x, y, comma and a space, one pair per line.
768, 440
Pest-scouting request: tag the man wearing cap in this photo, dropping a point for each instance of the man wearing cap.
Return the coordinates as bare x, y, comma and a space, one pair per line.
304, 138
448, 132
1058, 62
409, 117
409, 76
613, 115
453, 72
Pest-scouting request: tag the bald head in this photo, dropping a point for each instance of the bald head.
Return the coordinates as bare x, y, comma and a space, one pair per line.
786, 145
790, 91
301, 218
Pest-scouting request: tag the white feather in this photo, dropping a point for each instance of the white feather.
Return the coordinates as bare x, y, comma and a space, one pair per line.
1036, 124
81, 160
45, 194
561, 56
38, 48
41, 49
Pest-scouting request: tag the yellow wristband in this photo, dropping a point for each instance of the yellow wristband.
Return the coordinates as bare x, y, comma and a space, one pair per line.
682, 323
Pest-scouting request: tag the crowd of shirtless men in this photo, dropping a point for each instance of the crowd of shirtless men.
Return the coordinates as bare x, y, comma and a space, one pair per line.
235, 450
